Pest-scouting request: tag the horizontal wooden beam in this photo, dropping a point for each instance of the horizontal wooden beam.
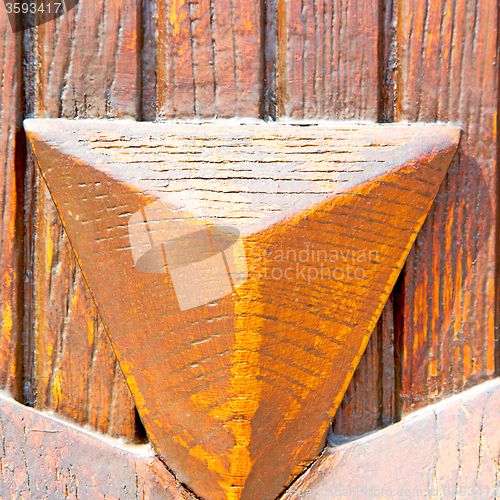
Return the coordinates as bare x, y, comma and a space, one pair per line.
42, 456
447, 450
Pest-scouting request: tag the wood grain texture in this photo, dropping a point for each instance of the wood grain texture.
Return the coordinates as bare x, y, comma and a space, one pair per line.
337, 59
328, 56
11, 199
77, 374
147, 107
208, 58
449, 72
447, 450
44, 456
86, 62
83, 64
246, 380
369, 401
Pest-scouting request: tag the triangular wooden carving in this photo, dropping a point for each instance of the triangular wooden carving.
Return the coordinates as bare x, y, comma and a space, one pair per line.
238, 343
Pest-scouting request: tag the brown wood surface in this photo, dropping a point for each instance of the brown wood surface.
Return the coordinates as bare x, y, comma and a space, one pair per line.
336, 60
45, 457
449, 72
208, 58
226, 404
369, 402
77, 374
86, 62
327, 59
82, 65
11, 140
448, 450
447, 55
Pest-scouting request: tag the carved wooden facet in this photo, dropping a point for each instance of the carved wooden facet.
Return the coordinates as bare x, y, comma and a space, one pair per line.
239, 270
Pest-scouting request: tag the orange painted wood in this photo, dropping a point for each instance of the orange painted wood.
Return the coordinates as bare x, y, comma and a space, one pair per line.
11, 140
369, 401
331, 64
447, 450
208, 57
77, 374
449, 72
327, 58
45, 456
249, 381
82, 65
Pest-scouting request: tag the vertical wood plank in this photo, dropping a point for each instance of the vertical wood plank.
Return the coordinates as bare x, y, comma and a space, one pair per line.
10, 204
387, 61
448, 55
86, 64
77, 372
369, 402
208, 58
329, 55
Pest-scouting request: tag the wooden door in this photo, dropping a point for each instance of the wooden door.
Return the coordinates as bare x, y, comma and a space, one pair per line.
384, 61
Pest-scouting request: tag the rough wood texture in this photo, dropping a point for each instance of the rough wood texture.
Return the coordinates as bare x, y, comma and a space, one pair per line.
328, 53
146, 43
76, 371
84, 64
230, 387
10, 191
449, 72
369, 401
45, 457
335, 59
208, 58
448, 450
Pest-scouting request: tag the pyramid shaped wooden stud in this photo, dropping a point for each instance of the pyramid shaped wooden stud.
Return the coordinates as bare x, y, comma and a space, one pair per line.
239, 270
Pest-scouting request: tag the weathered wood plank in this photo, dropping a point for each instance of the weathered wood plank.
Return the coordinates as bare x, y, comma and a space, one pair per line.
76, 370
44, 456
335, 59
246, 380
328, 53
369, 401
447, 450
11, 200
84, 64
147, 43
208, 58
449, 72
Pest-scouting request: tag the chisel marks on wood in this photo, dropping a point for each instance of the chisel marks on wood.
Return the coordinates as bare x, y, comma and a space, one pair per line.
10, 207
76, 371
248, 380
208, 58
84, 64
